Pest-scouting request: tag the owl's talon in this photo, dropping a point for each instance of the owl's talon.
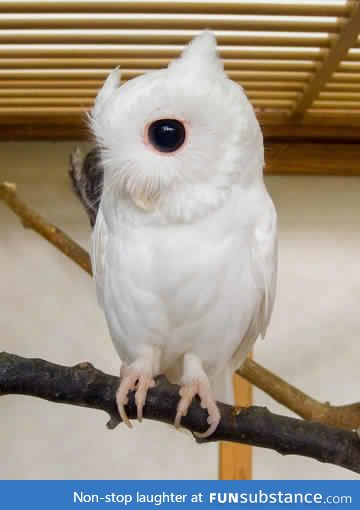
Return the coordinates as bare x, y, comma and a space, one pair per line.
127, 383
187, 393
179, 415
145, 382
139, 407
124, 417
177, 421
133, 379
140, 412
122, 400
209, 432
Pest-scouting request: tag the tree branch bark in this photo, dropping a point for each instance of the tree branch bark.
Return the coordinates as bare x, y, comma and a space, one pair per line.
83, 385
345, 417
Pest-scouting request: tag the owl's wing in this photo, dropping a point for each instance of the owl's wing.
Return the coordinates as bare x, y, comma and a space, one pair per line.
86, 177
97, 253
264, 266
264, 255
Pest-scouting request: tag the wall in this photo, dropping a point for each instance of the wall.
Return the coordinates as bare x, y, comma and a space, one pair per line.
49, 310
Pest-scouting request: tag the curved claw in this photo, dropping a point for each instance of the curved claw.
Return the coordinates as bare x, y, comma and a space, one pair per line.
139, 411
145, 382
126, 384
207, 402
123, 415
121, 401
133, 379
187, 393
180, 413
214, 425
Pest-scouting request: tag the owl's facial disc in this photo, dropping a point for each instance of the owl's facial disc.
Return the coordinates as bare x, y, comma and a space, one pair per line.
166, 136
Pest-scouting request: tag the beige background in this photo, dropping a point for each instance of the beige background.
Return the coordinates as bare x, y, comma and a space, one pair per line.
49, 310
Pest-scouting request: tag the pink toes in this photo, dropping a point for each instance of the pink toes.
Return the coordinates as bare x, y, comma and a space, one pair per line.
187, 393
133, 380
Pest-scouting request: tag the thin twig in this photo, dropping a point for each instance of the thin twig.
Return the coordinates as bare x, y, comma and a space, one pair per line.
31, 219
345, 417
83, 385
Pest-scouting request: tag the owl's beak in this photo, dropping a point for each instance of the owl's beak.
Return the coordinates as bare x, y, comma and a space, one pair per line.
145, 201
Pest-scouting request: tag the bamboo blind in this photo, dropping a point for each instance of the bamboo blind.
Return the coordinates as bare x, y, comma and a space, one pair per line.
298, 60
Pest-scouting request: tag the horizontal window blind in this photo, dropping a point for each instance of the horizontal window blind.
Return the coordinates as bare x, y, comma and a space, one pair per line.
298, 60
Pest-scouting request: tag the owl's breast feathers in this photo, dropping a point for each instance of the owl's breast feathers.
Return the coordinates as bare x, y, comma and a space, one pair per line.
204, 287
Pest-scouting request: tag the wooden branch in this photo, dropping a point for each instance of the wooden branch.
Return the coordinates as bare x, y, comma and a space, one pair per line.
345, 417
31, 219
83, 385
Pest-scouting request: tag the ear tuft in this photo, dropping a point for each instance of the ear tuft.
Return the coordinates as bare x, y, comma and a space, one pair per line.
200, 56
111, 84
201, 46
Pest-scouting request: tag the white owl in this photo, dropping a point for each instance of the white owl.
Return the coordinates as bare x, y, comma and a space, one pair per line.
184, 246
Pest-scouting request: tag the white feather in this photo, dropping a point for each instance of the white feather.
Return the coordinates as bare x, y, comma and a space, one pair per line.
265, 261
97, 254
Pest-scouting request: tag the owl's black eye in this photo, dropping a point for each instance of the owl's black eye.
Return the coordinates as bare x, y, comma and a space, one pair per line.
166, 135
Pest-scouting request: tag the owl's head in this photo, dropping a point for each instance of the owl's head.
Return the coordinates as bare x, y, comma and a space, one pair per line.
175, 129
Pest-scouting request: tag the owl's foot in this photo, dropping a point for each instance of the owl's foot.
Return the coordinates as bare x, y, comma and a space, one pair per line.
138, 377
195, 382
208, 402
202, 389
141, 382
